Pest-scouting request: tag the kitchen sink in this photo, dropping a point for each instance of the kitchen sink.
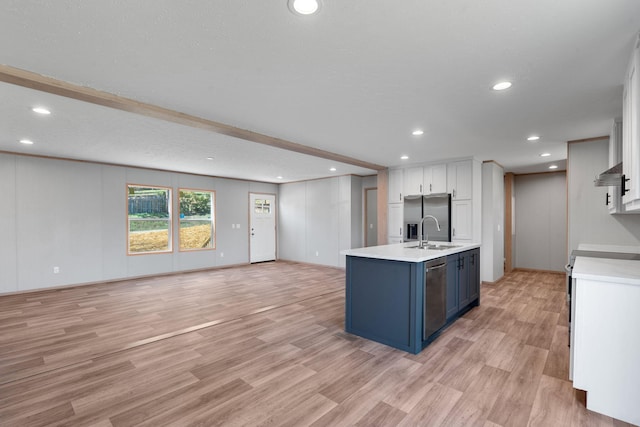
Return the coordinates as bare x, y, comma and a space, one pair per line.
435, 247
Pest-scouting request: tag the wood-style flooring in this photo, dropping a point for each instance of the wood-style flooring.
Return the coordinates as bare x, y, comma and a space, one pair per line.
264, 345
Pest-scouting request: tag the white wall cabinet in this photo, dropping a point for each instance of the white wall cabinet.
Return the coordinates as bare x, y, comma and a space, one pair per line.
413, 181
461, 220
395, 185
459, 180
429, 179
631, 132
395, 222
614, 196
435, 179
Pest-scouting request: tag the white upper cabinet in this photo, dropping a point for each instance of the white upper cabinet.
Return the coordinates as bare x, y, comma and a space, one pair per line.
459, 180
425, 180
395, 185
631, 132
614, 198
435, 179
413, 181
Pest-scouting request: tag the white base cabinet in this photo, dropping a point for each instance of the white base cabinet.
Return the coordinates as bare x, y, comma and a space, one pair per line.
605, 351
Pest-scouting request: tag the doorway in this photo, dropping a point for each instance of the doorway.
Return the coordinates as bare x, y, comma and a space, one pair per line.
371, 216
262, 227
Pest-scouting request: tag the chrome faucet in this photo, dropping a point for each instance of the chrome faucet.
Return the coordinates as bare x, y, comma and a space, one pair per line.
422, 241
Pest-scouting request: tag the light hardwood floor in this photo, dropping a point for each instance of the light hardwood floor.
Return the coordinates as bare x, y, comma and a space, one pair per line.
264, 345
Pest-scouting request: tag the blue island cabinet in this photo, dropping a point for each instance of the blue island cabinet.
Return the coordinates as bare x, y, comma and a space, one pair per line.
384, 298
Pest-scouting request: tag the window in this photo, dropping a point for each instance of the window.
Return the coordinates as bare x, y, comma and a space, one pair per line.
262, 206
197, 225
149, 219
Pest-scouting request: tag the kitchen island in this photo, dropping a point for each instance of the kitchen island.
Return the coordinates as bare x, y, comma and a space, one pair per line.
605, 333
393, 291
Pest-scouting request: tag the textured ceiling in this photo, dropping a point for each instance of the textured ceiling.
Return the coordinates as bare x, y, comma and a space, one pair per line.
355, 79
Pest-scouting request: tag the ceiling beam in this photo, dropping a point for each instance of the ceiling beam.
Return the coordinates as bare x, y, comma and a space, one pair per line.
42, 83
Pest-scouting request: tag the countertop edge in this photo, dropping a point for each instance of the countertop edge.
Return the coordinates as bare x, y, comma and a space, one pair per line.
400, 252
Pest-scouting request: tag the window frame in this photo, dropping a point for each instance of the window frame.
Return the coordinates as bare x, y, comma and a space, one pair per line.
169, 219
213, 219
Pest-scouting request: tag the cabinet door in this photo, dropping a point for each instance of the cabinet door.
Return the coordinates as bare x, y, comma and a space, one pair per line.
474, 274
463, 280
459, 180
439, 179
395, 185
461, 220
435, 179
413, 183
452, 286
631, 133
395, 220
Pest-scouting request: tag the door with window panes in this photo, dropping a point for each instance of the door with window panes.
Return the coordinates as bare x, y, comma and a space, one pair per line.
262, 229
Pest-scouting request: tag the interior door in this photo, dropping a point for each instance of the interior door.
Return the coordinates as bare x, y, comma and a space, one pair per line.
262, 227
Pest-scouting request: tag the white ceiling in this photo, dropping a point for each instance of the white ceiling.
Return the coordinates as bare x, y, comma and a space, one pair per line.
354, 79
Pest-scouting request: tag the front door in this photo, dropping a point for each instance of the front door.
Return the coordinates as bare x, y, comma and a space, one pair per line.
262, 229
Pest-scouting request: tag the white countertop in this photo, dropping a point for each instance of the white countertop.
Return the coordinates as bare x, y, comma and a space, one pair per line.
404, 252
609, 248
607, 270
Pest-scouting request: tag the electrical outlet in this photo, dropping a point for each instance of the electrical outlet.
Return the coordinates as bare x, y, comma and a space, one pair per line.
221, 254
56, 270
317, 254
237, 225
233, 226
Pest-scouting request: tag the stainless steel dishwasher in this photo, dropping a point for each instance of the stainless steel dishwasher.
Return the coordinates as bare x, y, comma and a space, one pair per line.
435, 293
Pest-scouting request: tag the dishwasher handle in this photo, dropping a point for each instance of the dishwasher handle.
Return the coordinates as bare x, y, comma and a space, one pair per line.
436, 267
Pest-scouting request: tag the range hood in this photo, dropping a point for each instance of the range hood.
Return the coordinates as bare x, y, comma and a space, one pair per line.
609, 177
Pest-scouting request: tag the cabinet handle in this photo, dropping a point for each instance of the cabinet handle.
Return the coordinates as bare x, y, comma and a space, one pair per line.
400, 196
454, 193
461, 263
400, 231
624, 185
430, 188
453, 231
607, 200
420, 188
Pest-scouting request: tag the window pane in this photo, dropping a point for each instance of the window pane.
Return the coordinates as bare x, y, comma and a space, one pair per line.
196, 220
262, 206
149, 219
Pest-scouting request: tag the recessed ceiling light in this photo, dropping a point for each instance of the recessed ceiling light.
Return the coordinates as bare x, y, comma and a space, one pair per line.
502, 86
417, 132
332, 169
41, 110
209, 158
545, 154
533, 138
26, 142
279, 177
553, 167
404, 157
304, 7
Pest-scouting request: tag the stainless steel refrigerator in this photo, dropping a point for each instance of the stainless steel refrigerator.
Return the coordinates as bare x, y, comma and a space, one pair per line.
416, 207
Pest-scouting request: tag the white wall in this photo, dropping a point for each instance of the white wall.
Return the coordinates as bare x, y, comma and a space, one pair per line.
73, 215
589, 220
319, 218
492, 253
540, 221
